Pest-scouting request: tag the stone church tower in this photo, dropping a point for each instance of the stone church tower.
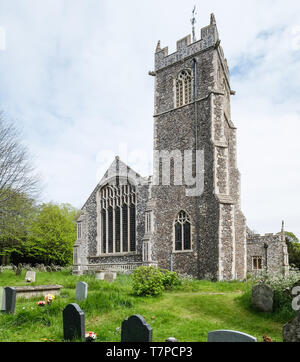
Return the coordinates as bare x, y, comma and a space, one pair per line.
192, 112
186, 217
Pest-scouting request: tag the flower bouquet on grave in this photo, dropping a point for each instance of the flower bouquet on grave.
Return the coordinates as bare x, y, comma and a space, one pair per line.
90, 336
41, 303
49, 298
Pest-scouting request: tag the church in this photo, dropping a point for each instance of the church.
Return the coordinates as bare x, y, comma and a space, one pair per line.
187, 216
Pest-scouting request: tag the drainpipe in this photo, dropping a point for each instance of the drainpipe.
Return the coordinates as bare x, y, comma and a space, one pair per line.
171, 262
197, 198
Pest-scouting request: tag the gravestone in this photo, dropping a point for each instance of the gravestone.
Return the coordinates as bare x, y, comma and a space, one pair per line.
229, 336
2, 299
73, 322
100, 275
19, 269
30, 276
291, 330
110, 277
135, 329
10, 299
81, 291
262, 298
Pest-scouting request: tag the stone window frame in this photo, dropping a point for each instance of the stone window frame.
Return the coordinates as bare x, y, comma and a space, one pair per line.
183, 88
115, 195
257, 259
187, 219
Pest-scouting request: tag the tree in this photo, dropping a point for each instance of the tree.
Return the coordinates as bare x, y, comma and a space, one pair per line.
293, 248
16, 171
52, 235
15, 222
18, 188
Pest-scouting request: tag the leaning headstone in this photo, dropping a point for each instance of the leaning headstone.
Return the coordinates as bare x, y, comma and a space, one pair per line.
10, 300
81, 291
229, 336
30, 276
135, 329
262, 298
73, 323
291, 330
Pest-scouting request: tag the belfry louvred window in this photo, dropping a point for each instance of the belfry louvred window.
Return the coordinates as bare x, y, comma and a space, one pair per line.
118, 218
182, 232
184, 88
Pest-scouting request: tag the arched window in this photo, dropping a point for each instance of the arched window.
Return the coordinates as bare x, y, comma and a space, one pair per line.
184, 88
182, 232
118, 219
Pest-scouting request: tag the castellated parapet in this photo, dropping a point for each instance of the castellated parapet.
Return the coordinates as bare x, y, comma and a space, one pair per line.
185, 48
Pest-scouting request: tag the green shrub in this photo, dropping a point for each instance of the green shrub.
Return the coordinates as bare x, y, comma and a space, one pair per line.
170, 279
147, 281
153, 281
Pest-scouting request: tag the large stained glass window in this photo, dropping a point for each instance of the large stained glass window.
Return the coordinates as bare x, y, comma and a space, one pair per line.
118, 219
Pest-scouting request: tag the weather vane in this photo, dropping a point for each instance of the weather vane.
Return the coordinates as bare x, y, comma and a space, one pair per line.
193, 22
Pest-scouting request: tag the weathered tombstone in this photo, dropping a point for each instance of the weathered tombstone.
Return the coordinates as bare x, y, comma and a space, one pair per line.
73, 322
135, 329
19, 269
2, 299
291, 330
262, 298
110, 277
100, 275
10, 299
81, 291
229, 336
30, 276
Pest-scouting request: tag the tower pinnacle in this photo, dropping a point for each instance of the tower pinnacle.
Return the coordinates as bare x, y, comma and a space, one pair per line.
193, 22
213, 19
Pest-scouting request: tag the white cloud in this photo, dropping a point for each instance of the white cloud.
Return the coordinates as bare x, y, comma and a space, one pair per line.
74, 74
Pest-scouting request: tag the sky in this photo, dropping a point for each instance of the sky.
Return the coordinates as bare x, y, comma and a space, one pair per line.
74, 76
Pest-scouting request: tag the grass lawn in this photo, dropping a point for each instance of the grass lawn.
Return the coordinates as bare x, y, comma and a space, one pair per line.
187, 313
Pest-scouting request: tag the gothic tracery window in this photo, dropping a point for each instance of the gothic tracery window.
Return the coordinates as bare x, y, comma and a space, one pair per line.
257, 263
118, 219
184, 88
182, 230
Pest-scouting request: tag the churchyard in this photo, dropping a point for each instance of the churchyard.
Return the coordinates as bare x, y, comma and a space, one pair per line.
188, 312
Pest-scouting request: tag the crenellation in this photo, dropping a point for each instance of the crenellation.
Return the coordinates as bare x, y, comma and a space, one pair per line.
185, 49
184, 42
